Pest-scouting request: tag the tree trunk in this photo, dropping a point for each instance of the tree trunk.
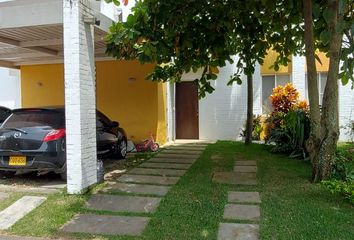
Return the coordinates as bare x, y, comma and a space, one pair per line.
314, 141
249, 122
330, 115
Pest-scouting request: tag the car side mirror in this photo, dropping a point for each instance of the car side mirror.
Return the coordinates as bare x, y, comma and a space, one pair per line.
115, 124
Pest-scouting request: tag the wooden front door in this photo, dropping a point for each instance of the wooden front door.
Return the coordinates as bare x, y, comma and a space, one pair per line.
187, 111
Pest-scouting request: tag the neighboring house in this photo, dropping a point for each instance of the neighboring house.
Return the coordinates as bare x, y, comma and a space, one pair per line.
59, 48
10, 88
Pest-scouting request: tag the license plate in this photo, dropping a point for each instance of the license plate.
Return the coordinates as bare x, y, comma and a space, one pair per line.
17, 161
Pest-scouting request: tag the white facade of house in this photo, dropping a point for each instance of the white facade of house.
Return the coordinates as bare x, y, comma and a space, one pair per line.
222, 114
10, 88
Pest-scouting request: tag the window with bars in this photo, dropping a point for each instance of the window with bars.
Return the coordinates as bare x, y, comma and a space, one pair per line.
268, 83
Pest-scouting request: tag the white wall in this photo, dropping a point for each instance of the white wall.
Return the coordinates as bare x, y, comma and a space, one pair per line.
346, 109
10, 88
298, 75
222, 114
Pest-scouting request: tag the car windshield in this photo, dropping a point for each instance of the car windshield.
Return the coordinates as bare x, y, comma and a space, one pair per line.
34, 118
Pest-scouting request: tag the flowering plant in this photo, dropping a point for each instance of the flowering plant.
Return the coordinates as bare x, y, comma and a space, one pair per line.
284, 98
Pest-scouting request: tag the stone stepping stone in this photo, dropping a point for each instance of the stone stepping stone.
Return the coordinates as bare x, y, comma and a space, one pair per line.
174, 155
157, 171
139, 188
245, 169
244, 197
28, 189
4, 196
242, 212
107, 225
120, 203
8, 237
173, 160
184, 151
236, 231
18, 210
246, 163
235, 178
165, 165
191, 148
128, 178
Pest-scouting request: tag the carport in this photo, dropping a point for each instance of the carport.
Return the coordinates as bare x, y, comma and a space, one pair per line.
70, 32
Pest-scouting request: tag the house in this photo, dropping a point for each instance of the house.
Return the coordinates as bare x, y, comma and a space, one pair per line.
58, 47
222, 114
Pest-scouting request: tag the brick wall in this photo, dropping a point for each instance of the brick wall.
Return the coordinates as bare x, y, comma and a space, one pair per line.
80, 100
223, 113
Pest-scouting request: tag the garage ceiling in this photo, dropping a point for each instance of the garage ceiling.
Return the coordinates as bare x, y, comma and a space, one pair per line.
39, 45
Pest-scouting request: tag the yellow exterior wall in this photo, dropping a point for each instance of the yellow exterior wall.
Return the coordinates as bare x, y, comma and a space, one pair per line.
324, 60
42, 85
269, 61
123, 94
272, 55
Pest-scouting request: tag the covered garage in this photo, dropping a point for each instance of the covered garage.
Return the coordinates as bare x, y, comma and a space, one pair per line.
59, 48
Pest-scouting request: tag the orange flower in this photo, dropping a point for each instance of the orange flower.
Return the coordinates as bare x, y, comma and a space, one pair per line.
302, 105
284, 98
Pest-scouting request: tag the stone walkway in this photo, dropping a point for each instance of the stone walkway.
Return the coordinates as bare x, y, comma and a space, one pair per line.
241, 206
137, 192
19, 209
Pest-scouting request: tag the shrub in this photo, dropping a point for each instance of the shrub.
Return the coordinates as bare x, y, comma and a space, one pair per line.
345, 188
342, 178
288, 126
257, 128
291, 133
284, 98
342, 168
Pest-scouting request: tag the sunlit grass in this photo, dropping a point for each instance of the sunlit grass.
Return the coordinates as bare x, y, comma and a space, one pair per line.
292, 207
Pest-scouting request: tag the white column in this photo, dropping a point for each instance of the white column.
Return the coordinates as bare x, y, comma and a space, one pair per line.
257, 90
298, 75
80, 96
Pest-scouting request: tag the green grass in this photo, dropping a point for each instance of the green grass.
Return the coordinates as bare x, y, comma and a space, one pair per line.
10, 200
292, 207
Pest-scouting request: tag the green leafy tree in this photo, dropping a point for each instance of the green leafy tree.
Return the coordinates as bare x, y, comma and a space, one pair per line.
183, 36
302, 27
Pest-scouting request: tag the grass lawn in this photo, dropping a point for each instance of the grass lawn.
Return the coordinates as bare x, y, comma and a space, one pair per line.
292, 207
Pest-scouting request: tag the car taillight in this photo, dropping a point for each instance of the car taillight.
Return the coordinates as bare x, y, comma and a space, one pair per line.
54, 135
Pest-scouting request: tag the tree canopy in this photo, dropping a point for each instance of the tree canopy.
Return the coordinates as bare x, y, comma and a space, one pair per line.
182, 36
187, 35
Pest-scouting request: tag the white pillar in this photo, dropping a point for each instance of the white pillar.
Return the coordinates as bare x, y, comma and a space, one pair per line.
257, 90
80, 96
299, 74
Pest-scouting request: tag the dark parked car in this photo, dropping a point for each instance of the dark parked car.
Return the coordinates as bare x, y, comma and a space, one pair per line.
4, 113
33, 139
